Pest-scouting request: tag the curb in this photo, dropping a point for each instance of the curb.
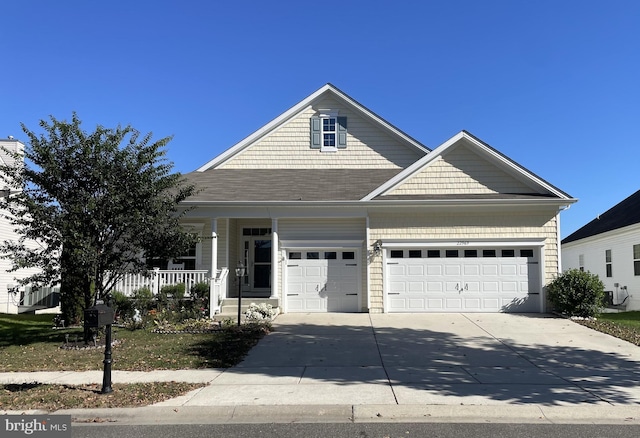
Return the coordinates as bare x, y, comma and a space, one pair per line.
529, 414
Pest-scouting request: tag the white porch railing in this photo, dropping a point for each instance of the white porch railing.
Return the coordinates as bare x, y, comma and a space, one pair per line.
217, 291
159, 278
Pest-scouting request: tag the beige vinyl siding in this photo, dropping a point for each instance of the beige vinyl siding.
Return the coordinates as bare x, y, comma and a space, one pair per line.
455, 227
289, 147
461, 171
321, 230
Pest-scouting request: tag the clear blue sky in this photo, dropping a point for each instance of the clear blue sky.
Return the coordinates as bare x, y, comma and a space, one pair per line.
553, 84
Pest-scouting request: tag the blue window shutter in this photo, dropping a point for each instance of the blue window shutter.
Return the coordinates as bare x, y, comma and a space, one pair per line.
316, 133
342, 132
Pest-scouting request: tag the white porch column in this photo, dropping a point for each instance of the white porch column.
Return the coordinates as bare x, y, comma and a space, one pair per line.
275, 259
214, 248
214, 287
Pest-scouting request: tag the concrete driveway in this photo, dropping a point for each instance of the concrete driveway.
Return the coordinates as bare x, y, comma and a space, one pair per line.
432, 359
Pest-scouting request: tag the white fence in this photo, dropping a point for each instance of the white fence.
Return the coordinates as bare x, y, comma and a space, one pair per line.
158, 278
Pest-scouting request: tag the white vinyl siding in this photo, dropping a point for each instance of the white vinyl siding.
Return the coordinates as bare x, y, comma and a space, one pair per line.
621, 243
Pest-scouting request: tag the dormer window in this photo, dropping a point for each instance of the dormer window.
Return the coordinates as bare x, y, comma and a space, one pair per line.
328, 132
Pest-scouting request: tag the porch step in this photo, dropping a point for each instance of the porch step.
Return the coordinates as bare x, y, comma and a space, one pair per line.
229, 306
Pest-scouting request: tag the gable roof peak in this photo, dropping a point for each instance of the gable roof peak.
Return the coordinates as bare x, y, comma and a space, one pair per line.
302, 105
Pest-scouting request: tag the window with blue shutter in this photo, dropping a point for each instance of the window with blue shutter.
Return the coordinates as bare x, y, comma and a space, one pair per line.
328, 133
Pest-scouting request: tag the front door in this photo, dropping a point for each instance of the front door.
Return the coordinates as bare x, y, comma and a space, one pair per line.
257, 259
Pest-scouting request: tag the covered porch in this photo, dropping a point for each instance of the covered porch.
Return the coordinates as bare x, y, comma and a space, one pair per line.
223, 244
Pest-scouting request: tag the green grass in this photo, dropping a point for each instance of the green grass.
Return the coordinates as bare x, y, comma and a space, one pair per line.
29, 343
627, 319
625, 325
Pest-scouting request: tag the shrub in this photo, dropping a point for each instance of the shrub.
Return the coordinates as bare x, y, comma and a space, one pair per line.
200, 291
123, 305
577, 293
143, 299
260, 312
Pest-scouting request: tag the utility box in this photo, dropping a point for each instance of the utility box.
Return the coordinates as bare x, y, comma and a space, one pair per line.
98, 316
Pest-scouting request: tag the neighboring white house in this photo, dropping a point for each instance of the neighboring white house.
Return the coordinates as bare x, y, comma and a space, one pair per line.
609, 246
14, 299
333, 209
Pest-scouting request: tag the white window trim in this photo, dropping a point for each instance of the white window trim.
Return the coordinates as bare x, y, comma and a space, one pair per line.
328, 114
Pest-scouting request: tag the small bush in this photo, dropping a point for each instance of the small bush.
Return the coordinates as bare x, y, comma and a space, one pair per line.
260, 312
171, 295
577, 293
143, 299
200, 291
123, 305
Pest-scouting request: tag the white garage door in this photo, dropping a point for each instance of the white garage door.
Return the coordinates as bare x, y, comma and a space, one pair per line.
469, 280
323, 281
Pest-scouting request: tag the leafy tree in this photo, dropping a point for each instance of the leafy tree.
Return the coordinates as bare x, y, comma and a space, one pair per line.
577, 293
94, 202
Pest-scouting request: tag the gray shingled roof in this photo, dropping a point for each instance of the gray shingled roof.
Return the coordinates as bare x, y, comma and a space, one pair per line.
621, 215
225, 185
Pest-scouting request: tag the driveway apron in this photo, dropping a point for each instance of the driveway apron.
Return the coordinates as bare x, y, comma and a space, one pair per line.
444, 359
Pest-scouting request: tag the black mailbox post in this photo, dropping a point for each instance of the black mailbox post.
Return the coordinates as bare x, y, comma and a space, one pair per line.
99, 316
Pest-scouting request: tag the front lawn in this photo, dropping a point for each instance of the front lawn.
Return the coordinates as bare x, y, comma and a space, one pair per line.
29, 343
625, 325
55, 397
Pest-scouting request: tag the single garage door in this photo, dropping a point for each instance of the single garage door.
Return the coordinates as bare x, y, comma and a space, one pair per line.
463, 280
323, 281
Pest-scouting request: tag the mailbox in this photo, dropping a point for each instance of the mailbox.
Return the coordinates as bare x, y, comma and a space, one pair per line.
98, 316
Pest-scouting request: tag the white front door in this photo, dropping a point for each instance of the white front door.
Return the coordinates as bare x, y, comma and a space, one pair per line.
320, 280
469, 280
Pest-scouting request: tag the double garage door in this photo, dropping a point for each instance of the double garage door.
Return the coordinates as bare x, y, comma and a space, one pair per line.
323, 281
467, 280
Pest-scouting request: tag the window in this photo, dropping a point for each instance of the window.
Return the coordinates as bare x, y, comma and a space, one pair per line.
508, 253
348, 255
188, 258
488, 253
313, 255
397, 254
295, 256
607, 262
330, 255
415, 253
451, 253
526, 253
433, 253
636, 259
470, 253
256, 231
328, 132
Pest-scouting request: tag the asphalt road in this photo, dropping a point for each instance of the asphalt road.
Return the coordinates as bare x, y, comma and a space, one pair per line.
360, 430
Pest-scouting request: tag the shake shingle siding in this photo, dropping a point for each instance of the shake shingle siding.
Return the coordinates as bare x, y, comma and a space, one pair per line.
288, 147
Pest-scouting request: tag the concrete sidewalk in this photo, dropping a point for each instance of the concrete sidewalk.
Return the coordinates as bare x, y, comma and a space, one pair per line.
427, 367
